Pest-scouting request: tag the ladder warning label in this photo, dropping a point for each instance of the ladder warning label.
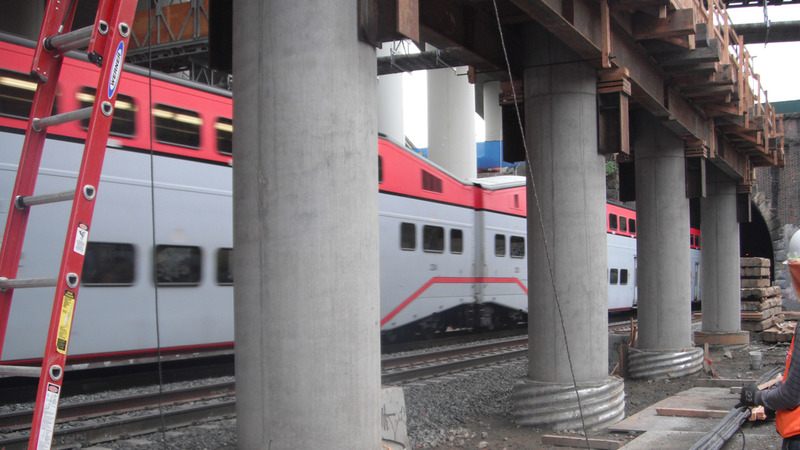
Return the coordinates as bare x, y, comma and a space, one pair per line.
65, 321
48, 416
81, 238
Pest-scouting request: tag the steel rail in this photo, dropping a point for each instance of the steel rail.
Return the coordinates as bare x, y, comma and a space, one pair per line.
149, 423
442, 368
423, 358
22, 419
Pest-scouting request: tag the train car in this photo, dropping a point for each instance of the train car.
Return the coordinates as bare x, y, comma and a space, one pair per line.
178, 184
694, 263
621, 235
157, 274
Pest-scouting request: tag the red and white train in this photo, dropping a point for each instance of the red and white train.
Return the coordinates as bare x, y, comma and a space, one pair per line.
157, 272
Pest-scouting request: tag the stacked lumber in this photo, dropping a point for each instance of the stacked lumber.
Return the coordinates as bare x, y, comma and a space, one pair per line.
761, 303
783, 331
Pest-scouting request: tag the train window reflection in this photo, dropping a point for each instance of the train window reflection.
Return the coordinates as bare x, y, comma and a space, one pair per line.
177, 265
108, 264
433, 239
612, 221
623, 224
499, 245
16, 94
122, 124
177, 126
517, 247
456, 241
224, 129
431, 182
614, 276
224, 269
408, 236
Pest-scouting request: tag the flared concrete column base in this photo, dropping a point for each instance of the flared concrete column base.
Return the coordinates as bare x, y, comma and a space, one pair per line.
722, 338
556, 405
660, 364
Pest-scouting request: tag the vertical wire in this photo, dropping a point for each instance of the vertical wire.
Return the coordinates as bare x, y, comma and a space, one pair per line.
150, 21
541, 224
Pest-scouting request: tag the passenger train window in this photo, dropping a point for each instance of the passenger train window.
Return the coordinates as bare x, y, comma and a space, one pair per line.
432, 239
380, 169
499, 245
177, 126
623, 223
517, 247
224, 269
697, 241
108, 264
623, 276
613, 277
456, 241
632, 226
408, 236
612, 221
224, 129
122, 124
177, 265
16, 94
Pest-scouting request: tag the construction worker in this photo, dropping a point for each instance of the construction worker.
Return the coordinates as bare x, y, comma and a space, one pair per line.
785, 398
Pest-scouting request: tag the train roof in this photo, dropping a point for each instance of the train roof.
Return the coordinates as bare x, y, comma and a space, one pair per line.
499, 182
138, 70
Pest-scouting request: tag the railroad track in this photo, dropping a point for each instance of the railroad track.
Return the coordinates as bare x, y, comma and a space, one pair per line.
407, 368
110, 419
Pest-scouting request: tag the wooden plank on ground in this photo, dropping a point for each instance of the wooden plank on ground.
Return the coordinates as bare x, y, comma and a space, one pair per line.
580, 442
688, 412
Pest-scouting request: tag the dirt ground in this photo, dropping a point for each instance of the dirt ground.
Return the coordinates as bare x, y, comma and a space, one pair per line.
500, 433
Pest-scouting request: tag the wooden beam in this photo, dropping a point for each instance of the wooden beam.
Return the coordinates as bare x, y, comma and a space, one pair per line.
445, 24
679, 23
408, 19
687, 412
580, 442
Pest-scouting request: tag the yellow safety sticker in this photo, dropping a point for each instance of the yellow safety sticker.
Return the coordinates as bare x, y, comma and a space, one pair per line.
65, 322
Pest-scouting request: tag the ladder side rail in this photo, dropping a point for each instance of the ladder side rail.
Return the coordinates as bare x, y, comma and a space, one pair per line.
79, 225
44, 65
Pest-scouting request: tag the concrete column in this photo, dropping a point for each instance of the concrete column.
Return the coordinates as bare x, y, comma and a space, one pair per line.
451, 122
561, 126
305, 227
23, 18
662, 212
390, 103
720, 269
492, 112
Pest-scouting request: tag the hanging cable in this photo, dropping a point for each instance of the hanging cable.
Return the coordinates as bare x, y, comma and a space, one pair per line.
541, 224
150, 21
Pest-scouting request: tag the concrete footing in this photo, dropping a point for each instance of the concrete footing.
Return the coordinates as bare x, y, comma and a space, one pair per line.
722, 338
393, 417
660, 364
556, 405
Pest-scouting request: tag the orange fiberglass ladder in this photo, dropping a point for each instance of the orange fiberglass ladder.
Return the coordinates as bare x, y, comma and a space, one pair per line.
107, 42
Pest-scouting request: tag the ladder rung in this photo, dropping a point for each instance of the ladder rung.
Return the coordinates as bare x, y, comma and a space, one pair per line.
21, 283
22, 201
70, 40
20, 371
58, 119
